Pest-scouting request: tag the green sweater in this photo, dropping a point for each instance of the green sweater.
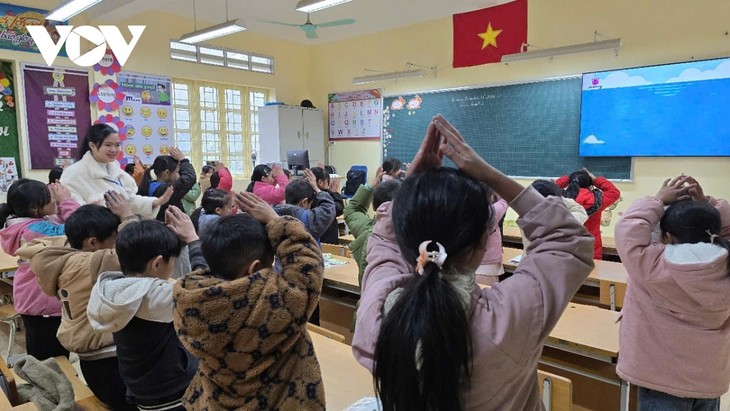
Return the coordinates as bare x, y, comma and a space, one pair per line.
360, 225
190, 198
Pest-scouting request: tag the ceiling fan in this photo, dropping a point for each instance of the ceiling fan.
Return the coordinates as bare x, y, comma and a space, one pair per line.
309, 29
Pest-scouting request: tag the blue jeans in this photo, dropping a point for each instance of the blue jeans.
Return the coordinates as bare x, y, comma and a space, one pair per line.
650, 400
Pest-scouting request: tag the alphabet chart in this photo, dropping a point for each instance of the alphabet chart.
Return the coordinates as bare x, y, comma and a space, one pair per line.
355, 115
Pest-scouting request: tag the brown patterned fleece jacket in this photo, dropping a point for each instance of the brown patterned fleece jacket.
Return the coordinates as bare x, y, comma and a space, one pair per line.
250, 334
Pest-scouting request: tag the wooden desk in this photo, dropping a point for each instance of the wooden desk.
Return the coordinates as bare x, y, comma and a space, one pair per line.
512, 237
590, 332
343, 277
8, 263
345, 380
609, 276
347, 239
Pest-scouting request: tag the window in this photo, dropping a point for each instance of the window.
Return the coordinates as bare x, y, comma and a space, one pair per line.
215, 56
218, 122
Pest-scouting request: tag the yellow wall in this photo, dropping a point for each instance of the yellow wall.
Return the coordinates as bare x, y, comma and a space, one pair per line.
653, 32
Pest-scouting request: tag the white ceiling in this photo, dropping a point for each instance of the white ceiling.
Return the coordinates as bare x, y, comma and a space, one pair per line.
371, 15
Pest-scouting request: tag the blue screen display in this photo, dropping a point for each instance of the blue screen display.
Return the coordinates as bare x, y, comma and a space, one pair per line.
671, 110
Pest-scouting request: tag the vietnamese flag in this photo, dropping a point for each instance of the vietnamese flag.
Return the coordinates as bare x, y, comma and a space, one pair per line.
484, 36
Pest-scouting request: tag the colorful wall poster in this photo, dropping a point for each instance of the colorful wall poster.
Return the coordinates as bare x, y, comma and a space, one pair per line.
356, 114
57, 107
146, 112
9, 152
14, 35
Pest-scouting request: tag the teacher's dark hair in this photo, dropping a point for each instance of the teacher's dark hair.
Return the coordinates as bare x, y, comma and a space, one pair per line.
423, 352
96, 134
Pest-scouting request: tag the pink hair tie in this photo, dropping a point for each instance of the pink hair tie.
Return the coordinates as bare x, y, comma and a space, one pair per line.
425, 256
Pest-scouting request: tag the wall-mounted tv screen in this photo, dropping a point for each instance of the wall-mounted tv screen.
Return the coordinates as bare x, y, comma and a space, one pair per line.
678, 109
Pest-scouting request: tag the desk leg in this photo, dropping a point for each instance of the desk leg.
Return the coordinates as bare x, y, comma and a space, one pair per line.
612, 294
625, 391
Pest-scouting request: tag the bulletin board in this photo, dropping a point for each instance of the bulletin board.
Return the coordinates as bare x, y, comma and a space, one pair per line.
355, 115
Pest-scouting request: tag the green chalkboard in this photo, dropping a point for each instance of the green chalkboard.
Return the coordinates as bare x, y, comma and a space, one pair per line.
525, 130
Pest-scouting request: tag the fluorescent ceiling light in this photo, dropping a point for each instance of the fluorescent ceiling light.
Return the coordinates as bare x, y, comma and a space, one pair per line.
389, 76
559, 51
219, 30
310, 6
69, 9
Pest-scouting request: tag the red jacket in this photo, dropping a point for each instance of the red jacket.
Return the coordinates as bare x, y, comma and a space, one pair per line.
226, 181
586, 199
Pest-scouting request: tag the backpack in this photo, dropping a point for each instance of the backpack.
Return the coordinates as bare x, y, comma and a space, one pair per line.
154, 185
355, 178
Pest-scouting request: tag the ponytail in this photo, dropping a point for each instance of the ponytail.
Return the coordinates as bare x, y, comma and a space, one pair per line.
250, 187
423, 353
161, 164
5, 213
577, 180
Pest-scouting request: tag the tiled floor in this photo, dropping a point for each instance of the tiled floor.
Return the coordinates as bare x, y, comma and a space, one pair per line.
19, 348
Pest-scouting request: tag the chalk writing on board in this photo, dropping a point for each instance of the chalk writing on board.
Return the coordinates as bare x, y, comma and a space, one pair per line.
473, 101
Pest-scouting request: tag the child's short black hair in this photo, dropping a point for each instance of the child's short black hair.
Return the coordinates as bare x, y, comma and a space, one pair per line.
88, 221
385, 192
320, 174
142, 241
129, 168
391, 164
55, 174
547, 188
26, 198
233, 242
298, 190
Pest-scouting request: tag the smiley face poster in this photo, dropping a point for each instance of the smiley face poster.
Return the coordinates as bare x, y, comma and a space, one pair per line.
147, 115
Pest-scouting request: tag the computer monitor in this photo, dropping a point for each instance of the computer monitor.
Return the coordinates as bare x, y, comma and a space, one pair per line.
297, 160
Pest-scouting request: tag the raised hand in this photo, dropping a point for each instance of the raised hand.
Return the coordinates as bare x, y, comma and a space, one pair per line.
59, 192
258, 208
673, 190
428, 155
176, 154
180, 224
311, 179
695, 190
378, 177
117, 204
164, 198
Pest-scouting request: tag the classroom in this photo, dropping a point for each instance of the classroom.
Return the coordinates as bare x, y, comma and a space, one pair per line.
277, 62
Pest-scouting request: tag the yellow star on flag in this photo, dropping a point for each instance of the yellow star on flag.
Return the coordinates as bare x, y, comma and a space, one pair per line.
489, 37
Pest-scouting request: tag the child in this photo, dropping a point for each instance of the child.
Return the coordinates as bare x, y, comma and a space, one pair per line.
332, 234
215, 204
491, 266
168, 171
188, 201
549, 188
225, 179
55, 174
357, 219
247, 322
301, 194
136, 306
69, 273
29, 214
675, 328
269, 183
392, 169
578, 187
431, 337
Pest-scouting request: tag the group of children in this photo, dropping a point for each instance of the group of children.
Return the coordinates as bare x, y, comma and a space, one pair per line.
232, 333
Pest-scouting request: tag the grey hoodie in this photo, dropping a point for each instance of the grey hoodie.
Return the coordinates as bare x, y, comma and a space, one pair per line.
116, 299
317, 219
